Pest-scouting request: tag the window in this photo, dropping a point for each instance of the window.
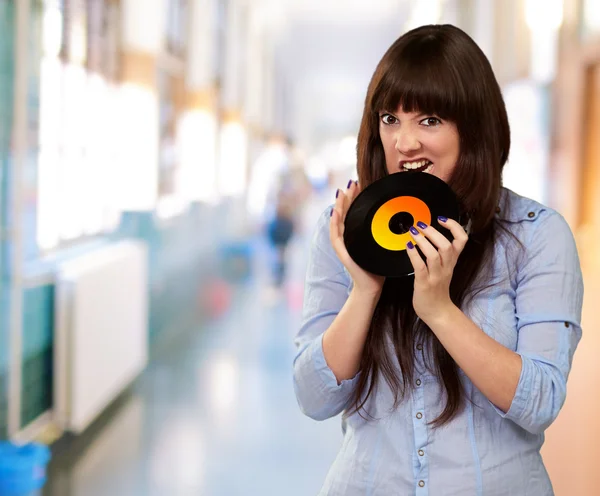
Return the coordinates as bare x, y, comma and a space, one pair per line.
177, 15
78, 145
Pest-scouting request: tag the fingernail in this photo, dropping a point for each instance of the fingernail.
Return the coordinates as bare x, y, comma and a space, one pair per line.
413, 231
409, 245
442, 218
422, 225
331, 213
356, 182
337, 193
349, 184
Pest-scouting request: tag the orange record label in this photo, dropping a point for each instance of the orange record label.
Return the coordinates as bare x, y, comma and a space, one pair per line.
380, 226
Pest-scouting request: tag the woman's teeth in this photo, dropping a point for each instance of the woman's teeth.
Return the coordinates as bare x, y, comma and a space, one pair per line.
420, 166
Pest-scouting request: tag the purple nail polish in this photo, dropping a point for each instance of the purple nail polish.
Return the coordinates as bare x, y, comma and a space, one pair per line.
349, 184
331, 213
441, 218
413, 230
409, 245
421, 225
337, 193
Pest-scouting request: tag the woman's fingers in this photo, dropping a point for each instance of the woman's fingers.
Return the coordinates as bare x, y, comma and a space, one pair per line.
458, 233
355, 188
362, 279
444, 247
441, 254
419, 265
434, 261
339, 209
343, 201
335, 236
349, 195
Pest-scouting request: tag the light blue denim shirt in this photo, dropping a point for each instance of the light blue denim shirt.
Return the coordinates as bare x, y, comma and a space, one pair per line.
534, 310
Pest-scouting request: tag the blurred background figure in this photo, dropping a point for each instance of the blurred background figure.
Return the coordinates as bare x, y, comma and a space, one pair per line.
280, 231
268, 172
163, 164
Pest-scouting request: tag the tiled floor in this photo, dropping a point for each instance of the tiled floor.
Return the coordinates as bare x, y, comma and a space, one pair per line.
218, 417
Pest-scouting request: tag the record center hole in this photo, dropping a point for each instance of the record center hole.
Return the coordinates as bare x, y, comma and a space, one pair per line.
401, 222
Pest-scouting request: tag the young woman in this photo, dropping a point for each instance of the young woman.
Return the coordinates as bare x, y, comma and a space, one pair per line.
448, 379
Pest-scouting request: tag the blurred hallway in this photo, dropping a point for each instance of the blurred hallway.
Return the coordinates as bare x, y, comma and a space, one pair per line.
215, 416
146, 145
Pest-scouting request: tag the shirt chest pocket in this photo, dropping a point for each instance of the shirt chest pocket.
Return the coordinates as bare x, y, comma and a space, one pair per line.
494, 312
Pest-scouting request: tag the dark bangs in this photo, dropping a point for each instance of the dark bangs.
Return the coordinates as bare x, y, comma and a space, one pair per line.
419, 78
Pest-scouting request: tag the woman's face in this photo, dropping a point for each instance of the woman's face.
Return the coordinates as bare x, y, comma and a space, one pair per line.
419, 141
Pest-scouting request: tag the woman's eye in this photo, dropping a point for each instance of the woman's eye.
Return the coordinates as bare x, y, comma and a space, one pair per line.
431, 122
388, 119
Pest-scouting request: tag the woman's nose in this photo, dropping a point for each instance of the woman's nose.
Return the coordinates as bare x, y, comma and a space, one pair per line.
407, 141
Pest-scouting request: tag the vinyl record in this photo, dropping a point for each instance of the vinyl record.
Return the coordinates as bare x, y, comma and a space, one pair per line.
378, 221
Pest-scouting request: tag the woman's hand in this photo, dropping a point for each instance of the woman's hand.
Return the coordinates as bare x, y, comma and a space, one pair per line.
431, 297
364, 282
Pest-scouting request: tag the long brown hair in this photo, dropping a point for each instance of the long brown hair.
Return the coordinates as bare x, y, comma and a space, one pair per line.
437, 70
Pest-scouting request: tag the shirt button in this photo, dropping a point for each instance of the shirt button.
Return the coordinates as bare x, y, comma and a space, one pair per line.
421, 483
419, 347
530, 215
497, 210
421, 452
418, 382
566, 324
419, 415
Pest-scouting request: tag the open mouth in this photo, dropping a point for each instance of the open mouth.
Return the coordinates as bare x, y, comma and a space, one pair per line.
422, 165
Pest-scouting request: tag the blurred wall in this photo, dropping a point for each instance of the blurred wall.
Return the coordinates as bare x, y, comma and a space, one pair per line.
6, 117
124, 127
572, 446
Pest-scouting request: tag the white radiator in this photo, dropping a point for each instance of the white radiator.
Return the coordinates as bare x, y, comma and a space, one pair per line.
101, 330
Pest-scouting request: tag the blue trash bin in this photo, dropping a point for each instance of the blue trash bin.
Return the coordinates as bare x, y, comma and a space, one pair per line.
22, 469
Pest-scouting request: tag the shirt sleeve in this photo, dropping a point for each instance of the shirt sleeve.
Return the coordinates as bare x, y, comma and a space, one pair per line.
327, 285
549, 298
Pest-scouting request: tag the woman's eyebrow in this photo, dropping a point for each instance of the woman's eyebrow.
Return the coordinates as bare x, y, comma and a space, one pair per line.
393, 114
418, 115
429, 114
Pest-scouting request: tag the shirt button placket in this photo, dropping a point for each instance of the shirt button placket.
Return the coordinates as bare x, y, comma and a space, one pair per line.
420, 429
